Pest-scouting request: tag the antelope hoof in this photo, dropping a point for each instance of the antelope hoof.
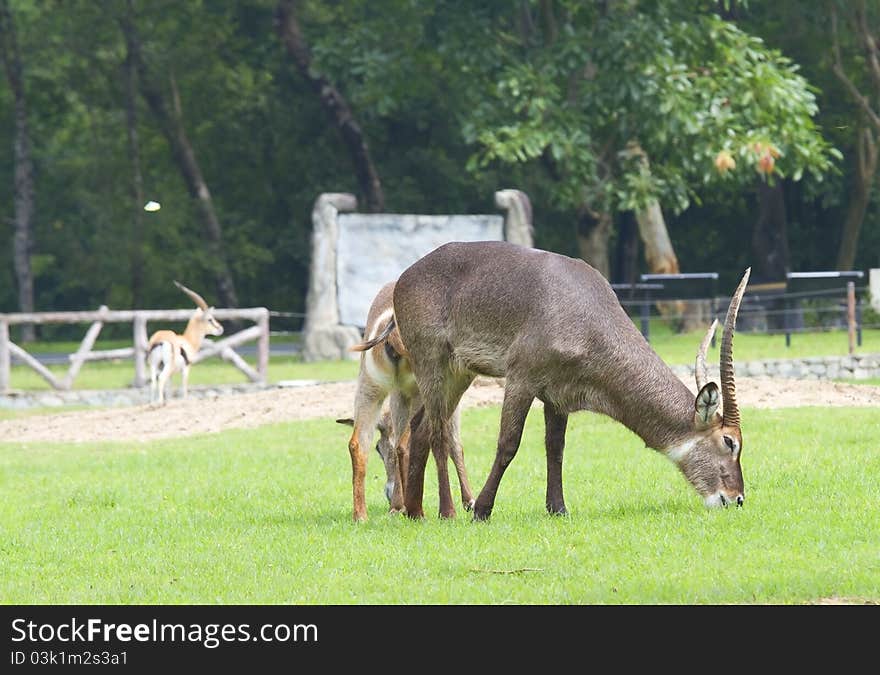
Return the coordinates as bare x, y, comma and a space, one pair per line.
415, 514
468, 504
447, 513
557, 510
481, 515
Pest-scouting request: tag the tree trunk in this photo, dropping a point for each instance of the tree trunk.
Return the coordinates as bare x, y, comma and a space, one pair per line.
136, 251
770, 245
769, 236
171, 124
23, 240
866, 147
659, 254
661, 259
863, 180
335, 105
593, 234
627, 258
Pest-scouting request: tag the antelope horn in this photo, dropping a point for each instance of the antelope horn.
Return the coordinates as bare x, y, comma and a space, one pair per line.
701, 372
728, 384
198, 299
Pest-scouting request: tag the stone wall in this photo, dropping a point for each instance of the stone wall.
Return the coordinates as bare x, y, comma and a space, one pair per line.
857, 367
354, 255
373, 249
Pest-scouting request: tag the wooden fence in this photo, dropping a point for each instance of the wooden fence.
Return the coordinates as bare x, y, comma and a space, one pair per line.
224, 348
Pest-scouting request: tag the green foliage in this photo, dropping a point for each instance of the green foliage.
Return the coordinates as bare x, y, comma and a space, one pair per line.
265, 517
456, 100
684, 88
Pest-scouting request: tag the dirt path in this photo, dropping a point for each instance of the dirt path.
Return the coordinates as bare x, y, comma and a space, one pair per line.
197, 416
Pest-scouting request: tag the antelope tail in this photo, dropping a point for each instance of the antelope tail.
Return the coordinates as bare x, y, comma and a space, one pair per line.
381, 337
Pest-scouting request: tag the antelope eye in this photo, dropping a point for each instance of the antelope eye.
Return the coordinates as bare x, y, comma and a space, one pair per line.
728, 441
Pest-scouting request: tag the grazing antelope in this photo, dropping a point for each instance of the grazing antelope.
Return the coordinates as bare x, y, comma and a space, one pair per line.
169, 352
553, 327
385, 373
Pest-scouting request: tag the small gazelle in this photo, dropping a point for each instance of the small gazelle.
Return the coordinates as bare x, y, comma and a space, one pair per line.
169, 352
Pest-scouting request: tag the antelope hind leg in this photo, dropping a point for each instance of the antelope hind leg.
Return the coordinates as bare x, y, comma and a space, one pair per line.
513, 417
418, 456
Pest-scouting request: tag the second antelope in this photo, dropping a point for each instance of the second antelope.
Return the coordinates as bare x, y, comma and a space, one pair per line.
169, 352
554, 328
385, 373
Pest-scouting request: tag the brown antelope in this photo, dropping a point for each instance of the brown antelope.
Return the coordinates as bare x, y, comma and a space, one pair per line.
385, 373
553, 327
169, 352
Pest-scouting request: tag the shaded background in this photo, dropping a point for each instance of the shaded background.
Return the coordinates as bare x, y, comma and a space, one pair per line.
237, 115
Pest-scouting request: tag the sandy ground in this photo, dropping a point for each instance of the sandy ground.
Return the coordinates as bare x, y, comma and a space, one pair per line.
198, 416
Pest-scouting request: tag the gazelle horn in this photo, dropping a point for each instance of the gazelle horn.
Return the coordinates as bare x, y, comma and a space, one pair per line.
198, 299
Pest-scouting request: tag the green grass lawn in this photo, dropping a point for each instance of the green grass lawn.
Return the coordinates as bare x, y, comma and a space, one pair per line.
673, 348
264, 516
682, 348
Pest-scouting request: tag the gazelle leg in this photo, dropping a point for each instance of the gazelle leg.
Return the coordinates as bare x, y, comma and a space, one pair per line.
184, 380
164, 374
154, 375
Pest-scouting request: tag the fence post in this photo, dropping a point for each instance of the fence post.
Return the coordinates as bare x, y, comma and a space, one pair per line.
787, 320
85, 347
4, 356
140, 345
263, 347
851, 314
859, 322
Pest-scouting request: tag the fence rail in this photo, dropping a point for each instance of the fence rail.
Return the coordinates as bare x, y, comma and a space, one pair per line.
224, 348
845, 301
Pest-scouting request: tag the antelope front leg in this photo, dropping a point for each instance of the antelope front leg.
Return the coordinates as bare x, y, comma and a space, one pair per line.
513, 418
555, 424
358, 454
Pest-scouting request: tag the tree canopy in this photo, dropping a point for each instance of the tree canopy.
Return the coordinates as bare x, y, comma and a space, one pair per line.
604, 107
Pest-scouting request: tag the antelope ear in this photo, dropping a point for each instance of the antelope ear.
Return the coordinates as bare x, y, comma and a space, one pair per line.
706, 407
347, 420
